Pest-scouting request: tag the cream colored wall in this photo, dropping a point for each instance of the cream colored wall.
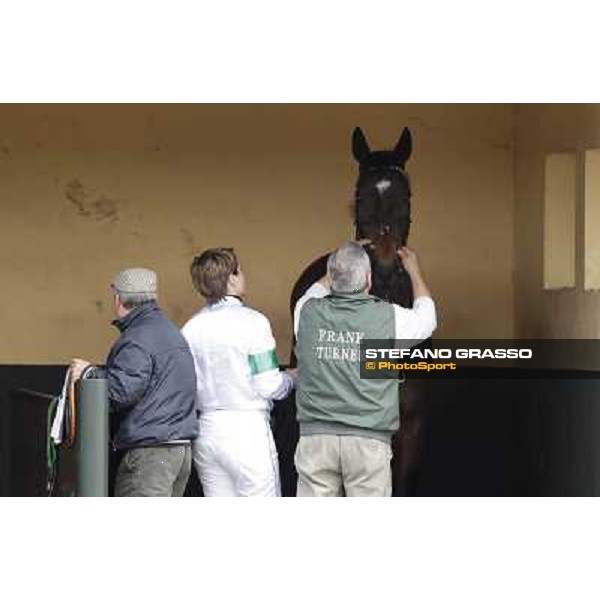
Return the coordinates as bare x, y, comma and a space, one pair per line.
560, 212
540, 130
86, 190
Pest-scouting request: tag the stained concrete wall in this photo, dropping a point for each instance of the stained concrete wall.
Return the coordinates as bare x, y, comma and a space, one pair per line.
541, 130
86, 190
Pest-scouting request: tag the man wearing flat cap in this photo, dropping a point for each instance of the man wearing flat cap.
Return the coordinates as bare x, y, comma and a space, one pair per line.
151, 388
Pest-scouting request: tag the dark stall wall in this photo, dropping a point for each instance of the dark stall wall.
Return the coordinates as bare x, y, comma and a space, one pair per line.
23, 420
480, 437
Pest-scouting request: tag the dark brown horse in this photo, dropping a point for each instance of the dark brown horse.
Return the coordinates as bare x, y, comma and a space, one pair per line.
382, 214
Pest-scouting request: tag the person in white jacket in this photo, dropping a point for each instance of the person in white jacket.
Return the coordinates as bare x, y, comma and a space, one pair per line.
238, 377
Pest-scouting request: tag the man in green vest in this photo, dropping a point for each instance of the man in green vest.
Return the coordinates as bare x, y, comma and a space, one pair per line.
346, 423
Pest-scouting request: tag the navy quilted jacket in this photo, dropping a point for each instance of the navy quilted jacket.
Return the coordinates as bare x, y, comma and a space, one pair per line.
151, 380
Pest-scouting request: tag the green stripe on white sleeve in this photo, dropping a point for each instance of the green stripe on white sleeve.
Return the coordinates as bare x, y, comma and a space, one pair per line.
264, 361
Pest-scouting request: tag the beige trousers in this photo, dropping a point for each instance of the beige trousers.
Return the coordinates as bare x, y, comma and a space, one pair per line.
343, 465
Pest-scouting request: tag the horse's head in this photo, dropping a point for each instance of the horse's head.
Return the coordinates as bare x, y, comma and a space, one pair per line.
382, 197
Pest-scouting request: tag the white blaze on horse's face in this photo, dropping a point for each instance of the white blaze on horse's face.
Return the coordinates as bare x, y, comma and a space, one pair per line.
383, 185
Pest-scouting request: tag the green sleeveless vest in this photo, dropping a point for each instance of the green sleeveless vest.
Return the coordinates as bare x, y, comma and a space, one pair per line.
331, 397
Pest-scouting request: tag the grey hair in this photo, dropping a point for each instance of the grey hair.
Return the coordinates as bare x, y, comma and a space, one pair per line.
348, 268
132, 299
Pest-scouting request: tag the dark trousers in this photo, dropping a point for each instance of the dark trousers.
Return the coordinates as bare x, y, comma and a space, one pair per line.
154, 471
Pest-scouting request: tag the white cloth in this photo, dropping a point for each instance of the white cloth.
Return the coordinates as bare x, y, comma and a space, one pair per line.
235, 454
316, 290
416, 323
228, 340
58, 424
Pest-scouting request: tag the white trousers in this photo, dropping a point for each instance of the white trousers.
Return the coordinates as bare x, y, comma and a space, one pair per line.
235, 454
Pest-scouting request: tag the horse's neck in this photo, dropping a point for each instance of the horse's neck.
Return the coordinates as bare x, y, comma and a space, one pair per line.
393, 286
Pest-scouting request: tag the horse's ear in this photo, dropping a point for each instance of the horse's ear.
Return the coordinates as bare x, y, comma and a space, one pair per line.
360, 148
404, 146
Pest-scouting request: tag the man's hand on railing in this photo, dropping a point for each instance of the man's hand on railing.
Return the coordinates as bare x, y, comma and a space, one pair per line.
78, 365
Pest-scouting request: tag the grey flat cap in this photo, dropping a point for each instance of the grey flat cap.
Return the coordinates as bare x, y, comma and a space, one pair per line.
135, 281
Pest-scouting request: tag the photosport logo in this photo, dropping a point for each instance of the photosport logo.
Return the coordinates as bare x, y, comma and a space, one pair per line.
432, 359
